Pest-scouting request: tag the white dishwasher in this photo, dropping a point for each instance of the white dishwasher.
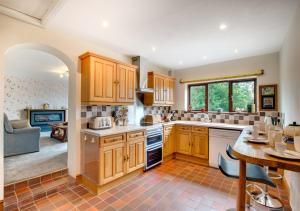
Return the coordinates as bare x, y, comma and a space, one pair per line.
218, 140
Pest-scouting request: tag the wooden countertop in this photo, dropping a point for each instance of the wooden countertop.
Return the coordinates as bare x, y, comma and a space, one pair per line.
253, 153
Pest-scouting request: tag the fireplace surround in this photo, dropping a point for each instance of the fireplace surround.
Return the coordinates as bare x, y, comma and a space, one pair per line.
42, 118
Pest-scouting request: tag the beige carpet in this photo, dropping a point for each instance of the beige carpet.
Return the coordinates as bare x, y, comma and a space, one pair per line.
51, 157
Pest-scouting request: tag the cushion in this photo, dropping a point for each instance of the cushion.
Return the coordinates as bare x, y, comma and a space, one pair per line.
19, 124
7, 125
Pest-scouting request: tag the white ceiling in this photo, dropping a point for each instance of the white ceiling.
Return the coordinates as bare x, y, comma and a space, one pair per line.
34, 64
182, 31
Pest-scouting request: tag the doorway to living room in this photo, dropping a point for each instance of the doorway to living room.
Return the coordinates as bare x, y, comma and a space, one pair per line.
36, 114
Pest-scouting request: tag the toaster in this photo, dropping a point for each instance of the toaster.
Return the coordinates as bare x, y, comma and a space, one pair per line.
98, 123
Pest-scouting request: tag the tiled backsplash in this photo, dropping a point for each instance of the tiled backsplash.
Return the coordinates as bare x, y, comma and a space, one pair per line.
230, 118
88, 112
162, 110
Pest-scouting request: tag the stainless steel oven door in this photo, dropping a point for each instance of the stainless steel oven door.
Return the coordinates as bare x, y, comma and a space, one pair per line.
154, 155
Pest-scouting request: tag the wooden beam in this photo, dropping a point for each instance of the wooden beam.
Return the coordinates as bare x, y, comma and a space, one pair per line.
258, 73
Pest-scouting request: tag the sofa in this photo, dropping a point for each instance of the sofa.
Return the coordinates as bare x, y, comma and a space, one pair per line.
20, 138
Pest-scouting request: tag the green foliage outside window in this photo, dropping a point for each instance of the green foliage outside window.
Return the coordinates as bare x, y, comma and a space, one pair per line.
242, 95
218, 96
197, 96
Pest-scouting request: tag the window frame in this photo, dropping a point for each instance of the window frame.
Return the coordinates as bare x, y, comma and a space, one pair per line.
230, 82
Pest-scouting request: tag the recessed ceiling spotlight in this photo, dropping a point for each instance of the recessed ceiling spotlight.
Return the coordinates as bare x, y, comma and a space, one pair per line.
61, 75
223, 26
180, 62
104, 24
236, 50
204, 57
153, 48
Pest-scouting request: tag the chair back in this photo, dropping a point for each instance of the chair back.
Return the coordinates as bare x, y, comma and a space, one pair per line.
228, 168
229, 152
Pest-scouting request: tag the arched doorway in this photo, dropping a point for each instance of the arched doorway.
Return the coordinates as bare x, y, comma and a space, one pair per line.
73, 158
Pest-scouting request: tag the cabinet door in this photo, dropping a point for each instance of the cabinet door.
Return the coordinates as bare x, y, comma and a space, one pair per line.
107, 173
158, 89
171, 143
166, 90
200, 145
166, 145
130, 89
112, 164
171, 99
136, 154
121, 83
103, 76
125, 84
183, 144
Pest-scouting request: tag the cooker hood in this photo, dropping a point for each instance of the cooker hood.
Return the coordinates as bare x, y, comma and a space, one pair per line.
141, 75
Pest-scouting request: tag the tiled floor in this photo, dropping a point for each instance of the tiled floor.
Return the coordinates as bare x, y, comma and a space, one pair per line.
175, 185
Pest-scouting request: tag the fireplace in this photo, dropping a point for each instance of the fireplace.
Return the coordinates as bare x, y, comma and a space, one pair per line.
42, 118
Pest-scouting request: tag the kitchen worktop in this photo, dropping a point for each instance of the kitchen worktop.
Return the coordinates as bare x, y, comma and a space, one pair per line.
130, 128
208, 124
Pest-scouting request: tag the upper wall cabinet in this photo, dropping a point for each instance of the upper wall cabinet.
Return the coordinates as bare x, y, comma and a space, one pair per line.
164, 90
106, 81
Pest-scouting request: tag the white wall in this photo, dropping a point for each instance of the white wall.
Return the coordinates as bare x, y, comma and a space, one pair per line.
24, 92
67, 47
290, 98
269, 63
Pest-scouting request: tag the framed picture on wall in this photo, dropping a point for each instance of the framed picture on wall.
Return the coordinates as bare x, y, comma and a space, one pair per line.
268, 97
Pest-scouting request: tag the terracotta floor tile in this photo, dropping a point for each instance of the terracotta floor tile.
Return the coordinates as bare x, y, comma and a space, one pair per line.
175, 185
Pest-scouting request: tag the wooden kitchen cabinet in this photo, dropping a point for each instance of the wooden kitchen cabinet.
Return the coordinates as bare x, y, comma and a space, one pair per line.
169, 140
199, 146
136, 154
192, 140
183, 142
108, 158
106, 81
125, 84
112, 162
164, 89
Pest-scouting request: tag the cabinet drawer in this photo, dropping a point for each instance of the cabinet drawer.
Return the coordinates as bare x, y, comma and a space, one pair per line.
114, 139
135, 135
200, 129
168, 129
183, 127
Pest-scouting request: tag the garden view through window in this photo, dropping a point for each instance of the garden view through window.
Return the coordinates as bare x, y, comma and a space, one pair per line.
225, 96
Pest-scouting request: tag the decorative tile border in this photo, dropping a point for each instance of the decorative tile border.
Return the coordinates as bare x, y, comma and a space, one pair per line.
229, 118
162, 110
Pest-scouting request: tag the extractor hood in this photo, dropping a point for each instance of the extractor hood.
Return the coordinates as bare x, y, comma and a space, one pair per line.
141, 76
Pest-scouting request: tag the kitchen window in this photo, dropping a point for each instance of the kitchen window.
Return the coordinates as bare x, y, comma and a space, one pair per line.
227, 96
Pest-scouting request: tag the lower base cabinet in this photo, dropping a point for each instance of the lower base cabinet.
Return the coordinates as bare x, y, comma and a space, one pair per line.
192, 140
108, 158
112, 162
136, 154
199, 145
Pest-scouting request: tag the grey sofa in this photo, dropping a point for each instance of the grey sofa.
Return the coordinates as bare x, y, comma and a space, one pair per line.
20, 141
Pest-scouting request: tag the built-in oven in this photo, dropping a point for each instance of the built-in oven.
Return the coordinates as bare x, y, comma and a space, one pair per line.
154, 147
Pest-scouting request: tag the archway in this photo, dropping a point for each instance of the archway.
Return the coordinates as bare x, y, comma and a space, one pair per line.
73, 158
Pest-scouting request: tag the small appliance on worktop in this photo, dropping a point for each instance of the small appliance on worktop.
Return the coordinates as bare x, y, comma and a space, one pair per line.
99, 123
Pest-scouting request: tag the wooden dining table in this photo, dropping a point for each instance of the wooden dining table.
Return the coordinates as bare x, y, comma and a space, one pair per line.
253, 153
